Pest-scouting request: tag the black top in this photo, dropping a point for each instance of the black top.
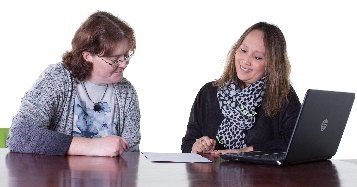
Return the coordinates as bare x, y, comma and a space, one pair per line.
267, 134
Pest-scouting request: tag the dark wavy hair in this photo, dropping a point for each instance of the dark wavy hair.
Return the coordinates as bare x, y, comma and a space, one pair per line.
99, 34
277, 67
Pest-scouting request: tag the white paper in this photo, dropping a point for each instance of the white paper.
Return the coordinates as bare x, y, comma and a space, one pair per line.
175, 157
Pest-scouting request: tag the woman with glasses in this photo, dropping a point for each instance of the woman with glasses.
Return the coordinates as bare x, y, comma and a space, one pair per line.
252, 106
83, 105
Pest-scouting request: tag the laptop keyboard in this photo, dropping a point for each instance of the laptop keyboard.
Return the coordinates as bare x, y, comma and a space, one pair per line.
263, 155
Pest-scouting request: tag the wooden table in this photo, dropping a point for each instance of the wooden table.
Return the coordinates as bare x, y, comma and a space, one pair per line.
133, 169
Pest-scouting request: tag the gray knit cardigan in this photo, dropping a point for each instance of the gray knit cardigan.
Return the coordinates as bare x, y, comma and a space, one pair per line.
44, 122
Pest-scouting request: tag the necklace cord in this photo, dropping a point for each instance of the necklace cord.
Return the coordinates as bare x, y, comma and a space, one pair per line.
85, 89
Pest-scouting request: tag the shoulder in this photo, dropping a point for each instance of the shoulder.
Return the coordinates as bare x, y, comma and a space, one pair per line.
125, 84
125, 87
57, 68
208, 87
56, 71
207, 92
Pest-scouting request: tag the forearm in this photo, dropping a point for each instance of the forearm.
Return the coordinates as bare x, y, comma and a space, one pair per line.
32, 139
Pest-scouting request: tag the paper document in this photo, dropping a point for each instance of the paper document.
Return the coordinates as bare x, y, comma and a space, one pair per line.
175, 157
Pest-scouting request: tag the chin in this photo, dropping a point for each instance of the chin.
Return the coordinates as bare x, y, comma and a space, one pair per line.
241, 77
117, 79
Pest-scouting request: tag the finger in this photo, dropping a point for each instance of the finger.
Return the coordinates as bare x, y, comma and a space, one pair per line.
209, 145
125, 142
123, 146
205, 138
213, 144
205, 147
198, 147
117, 153
215, 152
193, 150
220, 151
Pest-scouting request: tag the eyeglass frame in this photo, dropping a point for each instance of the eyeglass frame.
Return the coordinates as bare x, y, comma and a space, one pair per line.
118, 62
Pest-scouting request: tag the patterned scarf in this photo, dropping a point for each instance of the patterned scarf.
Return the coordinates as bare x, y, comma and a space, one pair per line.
238, 108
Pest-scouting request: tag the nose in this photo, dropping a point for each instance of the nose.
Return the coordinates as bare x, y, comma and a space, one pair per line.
124, 64
245, 61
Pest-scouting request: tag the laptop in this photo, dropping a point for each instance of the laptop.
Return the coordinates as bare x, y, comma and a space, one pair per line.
317, 134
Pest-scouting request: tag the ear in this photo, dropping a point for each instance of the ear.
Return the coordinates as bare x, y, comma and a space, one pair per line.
87, 56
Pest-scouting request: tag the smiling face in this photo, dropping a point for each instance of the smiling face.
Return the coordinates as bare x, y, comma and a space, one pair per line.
250, 58
103, 73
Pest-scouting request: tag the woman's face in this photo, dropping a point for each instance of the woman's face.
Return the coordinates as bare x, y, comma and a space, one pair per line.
104, 73
250, 58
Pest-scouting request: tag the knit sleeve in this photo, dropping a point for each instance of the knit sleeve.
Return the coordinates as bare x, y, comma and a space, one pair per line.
130, 115
33, 127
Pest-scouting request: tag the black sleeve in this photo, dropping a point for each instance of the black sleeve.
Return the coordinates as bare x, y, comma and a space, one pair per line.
193, 131
205, 117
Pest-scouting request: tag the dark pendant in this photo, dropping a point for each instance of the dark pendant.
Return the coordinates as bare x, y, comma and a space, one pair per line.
97, 107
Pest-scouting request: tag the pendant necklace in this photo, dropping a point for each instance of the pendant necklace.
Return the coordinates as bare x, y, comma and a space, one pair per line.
96, 106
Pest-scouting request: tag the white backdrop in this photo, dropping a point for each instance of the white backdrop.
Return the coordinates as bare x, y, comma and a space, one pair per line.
181, 45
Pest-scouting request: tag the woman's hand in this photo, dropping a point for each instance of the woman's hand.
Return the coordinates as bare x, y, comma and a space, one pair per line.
110, 146
203, 145
106, 146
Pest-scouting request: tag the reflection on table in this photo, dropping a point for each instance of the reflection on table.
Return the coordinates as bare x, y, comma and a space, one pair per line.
44, 170
133, 169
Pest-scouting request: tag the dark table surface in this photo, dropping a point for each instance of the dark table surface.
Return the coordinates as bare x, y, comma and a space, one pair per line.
133, 169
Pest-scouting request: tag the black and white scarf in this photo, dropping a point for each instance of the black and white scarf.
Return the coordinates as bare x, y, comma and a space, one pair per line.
238, 108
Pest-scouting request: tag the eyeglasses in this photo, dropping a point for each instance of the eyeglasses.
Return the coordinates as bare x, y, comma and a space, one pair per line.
118, 62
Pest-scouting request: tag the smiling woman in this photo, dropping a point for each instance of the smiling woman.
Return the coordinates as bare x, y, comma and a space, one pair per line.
252, 106
83, 105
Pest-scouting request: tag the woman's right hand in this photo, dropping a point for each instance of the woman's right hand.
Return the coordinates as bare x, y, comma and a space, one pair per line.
106, 146
203, 145
110, 146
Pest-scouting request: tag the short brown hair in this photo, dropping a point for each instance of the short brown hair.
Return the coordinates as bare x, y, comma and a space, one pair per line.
98, 34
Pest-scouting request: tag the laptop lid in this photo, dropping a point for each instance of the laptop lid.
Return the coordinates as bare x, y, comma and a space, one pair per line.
320, 125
